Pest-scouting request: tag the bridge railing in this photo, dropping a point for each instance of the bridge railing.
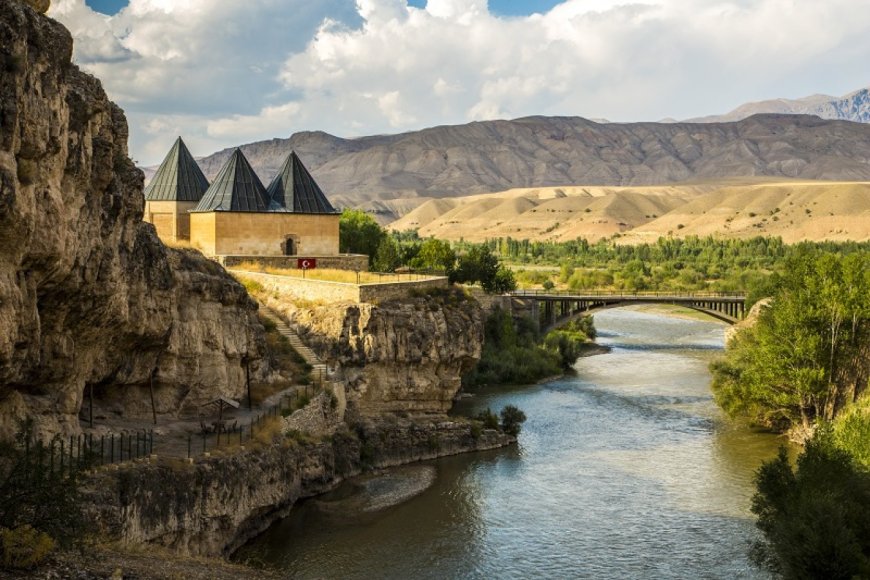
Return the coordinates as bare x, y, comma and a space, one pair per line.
612, 294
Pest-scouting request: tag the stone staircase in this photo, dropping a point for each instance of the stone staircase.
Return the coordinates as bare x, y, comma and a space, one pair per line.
319, 372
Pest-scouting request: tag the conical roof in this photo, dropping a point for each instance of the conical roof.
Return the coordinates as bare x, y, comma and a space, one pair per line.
294, 188
236, 188
178, 178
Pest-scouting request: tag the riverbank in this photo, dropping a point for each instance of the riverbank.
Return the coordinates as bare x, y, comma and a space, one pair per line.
633, 437
218, 503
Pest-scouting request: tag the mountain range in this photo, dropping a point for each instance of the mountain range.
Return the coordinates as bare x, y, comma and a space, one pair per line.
394, 173
852, 107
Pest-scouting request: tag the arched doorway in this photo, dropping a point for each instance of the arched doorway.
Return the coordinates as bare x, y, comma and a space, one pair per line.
289, 247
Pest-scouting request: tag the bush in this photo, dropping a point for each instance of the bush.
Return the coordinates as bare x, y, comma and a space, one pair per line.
512, 420
24, 547
488, 418
38, 508
815, 518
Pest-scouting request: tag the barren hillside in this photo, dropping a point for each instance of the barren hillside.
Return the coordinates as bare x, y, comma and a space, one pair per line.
794, 210
451, 161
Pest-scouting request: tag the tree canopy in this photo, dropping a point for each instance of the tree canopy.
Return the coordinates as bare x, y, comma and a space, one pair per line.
808, 355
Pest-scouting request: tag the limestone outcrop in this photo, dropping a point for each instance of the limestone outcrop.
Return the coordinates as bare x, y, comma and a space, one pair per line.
89, 297
215, 505
405, 355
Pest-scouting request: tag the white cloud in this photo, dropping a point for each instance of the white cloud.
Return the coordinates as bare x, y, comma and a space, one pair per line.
223, 72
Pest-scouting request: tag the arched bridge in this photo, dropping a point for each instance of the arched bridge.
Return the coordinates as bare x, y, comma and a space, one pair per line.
556, 307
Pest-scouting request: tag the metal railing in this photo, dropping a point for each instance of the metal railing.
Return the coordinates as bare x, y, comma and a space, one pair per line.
591, 294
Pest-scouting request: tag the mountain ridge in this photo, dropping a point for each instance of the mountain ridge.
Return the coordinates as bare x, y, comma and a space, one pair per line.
485, 156
854, 106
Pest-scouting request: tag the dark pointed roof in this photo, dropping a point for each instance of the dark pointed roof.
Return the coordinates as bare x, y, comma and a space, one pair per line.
294, 188
178, 178
236, 188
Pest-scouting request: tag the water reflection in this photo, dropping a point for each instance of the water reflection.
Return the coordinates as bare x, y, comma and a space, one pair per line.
625, 470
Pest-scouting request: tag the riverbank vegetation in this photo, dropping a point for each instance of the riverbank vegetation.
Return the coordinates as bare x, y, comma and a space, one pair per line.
807, 358
515, 352
815, 517
803, 367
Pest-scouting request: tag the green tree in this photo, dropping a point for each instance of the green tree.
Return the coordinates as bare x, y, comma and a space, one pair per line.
436, 255
512, 419
479, 264
359, 233
806, 358
815, 518
387, 258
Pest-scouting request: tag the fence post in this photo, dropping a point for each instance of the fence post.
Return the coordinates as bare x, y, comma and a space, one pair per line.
61, 458
102, 449
112, 449
51, 459
203, 441
188, 445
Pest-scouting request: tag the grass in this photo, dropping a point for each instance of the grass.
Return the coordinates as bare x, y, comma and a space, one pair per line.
329, 275
284, 357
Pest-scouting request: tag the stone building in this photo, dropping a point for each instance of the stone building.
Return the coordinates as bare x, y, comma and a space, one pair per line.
176, 188
236, 215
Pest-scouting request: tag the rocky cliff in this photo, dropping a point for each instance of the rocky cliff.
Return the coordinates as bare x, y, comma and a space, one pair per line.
89, 297
404, 355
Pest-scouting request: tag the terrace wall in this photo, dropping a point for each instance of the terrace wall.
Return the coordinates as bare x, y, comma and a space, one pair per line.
314, 290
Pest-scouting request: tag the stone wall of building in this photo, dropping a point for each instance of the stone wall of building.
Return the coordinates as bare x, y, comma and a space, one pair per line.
170, 218
321, 290
264, 234
350, 262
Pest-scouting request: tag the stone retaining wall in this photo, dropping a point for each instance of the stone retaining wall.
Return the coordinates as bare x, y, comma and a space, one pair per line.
321, 290
352, 262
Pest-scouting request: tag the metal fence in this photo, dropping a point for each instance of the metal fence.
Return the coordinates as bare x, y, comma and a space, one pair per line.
65, 456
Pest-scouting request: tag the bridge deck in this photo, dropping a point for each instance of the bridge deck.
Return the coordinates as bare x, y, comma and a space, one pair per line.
562, 305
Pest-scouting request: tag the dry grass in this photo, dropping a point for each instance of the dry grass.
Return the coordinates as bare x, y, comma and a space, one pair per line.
179, 244
269, 430
329, 275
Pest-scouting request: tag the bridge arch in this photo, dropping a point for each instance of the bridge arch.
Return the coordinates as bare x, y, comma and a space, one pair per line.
557, 308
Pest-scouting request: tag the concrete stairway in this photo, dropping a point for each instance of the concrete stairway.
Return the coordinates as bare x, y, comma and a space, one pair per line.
319, 373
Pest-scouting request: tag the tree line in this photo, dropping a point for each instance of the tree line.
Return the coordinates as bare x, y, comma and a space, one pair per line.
804, 367
359, 233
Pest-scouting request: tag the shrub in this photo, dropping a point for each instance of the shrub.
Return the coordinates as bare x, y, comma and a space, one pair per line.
815, 518
39, 508
488, 418
512, 419
24, 547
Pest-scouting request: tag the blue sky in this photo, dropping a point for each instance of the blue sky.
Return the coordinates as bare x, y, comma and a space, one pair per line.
107, 6
503, 7
226, 72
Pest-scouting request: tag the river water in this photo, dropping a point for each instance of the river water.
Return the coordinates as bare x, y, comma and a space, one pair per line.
626, 470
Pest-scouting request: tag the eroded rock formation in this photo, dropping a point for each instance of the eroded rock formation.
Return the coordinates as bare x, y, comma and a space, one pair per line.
401, 355
88, 294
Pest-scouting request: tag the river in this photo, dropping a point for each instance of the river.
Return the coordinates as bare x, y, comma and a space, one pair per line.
626, 470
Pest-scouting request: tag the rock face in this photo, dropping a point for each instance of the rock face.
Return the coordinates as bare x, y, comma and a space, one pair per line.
217, 504
89, 297
403, 355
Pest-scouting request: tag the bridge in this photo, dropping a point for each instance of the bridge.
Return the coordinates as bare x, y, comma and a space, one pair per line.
556, 307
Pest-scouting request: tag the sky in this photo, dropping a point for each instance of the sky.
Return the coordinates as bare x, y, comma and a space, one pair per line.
223, 72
